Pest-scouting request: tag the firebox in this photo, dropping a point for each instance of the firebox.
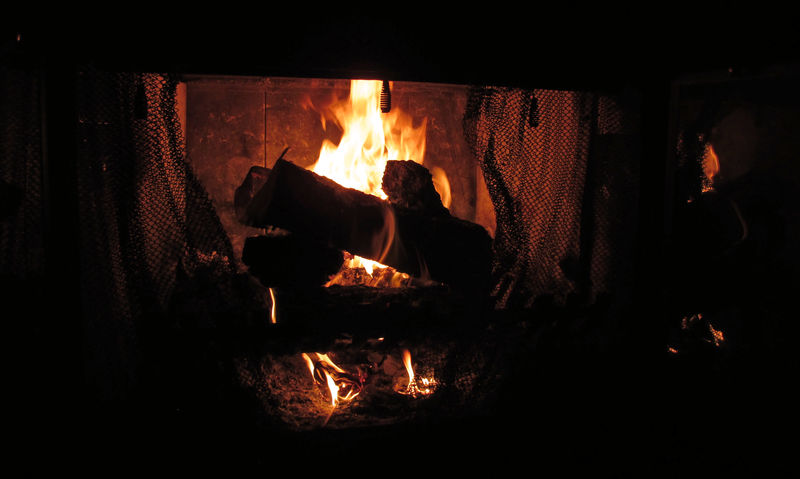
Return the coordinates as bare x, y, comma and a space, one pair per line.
419, 144
414, 268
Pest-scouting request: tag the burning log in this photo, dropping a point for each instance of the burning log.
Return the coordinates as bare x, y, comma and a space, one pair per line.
251, 185
288, 260
409, 185
352, 275
441, 247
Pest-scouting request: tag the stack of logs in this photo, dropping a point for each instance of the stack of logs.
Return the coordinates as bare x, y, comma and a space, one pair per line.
317, 219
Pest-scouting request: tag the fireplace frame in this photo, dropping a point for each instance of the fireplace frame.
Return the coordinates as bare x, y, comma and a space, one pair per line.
561, 68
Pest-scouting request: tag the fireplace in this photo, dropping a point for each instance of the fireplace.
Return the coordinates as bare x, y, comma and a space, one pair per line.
464, 319
578, 336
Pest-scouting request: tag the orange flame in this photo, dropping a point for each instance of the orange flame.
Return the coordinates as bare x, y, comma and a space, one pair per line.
417, 386
710, 167
342, 386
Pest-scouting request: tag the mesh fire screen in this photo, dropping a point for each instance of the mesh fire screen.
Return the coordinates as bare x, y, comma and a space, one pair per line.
561, 168
152, 244
21, 200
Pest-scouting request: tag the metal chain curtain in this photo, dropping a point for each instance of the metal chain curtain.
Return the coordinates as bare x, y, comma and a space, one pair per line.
561, 170
21, 225
147, 226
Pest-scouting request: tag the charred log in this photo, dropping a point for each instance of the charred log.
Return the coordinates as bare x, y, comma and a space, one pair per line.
290, 261
443, 248
409, 185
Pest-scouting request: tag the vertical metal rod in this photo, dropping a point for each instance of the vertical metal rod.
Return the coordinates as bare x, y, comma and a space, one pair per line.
273, 318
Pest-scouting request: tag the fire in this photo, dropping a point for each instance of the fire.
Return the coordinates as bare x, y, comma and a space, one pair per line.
273, 317
417, 386
710, 167
409, 367
334, 388
336, 383
370, 138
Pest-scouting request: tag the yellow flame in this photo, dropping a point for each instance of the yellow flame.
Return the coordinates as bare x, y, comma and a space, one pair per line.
417, 386
333, 388
409, 367
273, 317
369, 139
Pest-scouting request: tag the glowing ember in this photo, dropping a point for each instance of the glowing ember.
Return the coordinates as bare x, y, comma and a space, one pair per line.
417, 386
273, 317
704, 328
716, 335
442, 185
359, 271
370, 138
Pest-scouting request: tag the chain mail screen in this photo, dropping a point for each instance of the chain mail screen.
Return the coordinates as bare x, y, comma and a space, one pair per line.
561, 170
21, 229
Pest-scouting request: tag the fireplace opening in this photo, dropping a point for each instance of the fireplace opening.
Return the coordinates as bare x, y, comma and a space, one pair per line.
445, 161
234, 302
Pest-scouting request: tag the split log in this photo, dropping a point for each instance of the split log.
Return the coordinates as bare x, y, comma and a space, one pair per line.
442, 248
251, 185
289, 260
